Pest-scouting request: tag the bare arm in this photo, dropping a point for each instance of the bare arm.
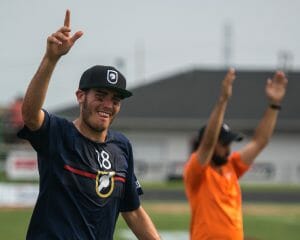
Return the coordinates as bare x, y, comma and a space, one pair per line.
275, 91
141, 225
213, 127
58, 44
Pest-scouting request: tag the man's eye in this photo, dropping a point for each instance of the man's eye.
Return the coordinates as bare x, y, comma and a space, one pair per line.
116, 101
100, 96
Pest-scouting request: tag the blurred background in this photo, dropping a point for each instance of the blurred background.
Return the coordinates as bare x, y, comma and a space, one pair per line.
174, 56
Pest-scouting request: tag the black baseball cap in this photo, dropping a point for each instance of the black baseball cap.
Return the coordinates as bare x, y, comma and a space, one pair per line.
226, 135
100, 76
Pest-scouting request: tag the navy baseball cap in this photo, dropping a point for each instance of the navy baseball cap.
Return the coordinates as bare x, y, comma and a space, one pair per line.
100, 76
226, 135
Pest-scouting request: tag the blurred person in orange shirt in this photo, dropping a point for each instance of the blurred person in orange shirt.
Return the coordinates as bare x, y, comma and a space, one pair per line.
212, 172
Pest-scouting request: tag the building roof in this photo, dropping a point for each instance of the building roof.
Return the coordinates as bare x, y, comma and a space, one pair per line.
185, 100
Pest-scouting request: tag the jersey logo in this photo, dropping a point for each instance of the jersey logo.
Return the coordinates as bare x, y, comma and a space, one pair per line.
105, 183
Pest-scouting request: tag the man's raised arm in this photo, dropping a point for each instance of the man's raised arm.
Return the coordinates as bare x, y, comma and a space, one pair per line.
275, 92
58, 44
210, 138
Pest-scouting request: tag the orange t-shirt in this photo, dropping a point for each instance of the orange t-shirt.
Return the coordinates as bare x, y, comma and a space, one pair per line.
215, 199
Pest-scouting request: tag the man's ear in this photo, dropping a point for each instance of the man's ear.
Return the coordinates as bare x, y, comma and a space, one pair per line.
80, 96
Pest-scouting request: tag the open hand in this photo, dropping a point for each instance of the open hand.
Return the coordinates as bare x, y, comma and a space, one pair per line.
276, 87
60, 42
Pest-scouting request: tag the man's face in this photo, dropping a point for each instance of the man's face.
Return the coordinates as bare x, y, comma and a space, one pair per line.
99, 107
221, 153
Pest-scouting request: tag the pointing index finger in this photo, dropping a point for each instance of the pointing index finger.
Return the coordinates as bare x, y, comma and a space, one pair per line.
67, 19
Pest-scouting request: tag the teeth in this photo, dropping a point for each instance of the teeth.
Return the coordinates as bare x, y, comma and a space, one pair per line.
103, 114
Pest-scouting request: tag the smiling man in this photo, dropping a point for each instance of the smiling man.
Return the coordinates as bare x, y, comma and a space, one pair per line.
101, 89
86, 170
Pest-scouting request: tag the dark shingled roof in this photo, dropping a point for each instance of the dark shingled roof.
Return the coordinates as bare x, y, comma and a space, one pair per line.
185, 100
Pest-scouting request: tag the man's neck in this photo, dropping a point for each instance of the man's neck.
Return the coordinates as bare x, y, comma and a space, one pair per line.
217, 168
90, 133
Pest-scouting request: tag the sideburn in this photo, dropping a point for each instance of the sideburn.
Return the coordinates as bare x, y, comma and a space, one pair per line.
86, 113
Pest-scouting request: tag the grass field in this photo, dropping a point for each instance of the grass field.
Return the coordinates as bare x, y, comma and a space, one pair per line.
246, 187
261, 221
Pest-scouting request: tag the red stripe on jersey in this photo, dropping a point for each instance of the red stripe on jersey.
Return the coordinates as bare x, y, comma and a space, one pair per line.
88, 174
80, 172
121, 179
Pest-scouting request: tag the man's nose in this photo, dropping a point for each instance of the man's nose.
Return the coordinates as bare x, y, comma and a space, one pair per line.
107, 102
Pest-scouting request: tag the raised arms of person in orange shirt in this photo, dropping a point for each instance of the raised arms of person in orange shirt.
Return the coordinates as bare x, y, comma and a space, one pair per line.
275, 92
211, 134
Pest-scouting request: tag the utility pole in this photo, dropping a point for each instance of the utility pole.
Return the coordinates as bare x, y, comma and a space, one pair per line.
227, 45
285, 60
139, 57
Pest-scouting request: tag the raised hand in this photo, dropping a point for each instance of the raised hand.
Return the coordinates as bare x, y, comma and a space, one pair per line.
60, 42
276, 87
226, 90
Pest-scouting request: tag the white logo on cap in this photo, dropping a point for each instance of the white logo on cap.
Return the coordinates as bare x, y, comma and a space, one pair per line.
112, 76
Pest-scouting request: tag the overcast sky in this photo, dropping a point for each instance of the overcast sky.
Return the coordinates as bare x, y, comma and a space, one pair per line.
146, 39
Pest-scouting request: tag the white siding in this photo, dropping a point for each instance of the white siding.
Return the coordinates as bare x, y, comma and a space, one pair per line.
157, 153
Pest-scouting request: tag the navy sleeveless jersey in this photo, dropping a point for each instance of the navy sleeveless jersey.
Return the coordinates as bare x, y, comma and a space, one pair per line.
83, 184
